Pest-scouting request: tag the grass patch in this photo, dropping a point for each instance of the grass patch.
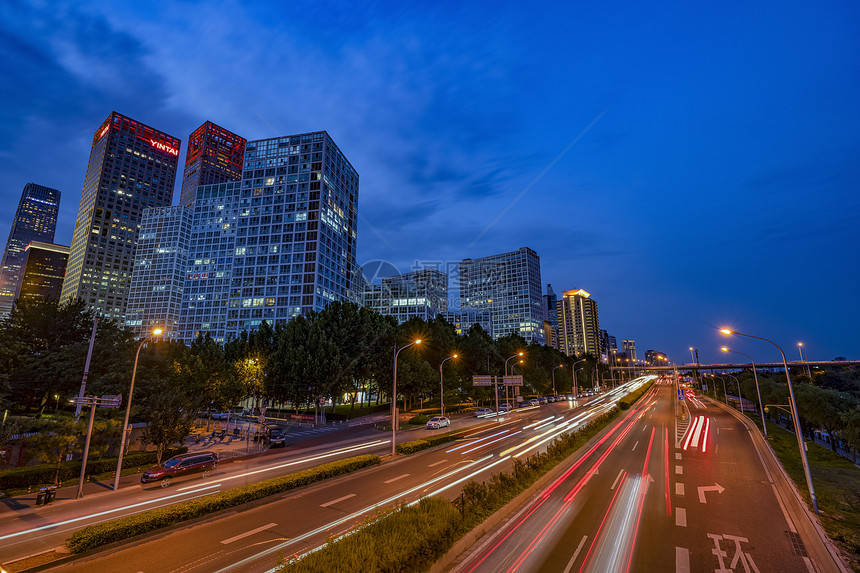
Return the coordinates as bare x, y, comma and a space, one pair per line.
837, 486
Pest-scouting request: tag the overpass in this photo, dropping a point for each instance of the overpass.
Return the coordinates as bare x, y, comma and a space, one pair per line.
830, 364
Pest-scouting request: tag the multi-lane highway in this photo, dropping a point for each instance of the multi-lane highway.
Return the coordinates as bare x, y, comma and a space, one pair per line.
250, 538
653, 495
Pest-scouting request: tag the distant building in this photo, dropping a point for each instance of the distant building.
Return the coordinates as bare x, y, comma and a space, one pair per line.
629, 349
422, 294
578, 324
656, 358
35, 220
463, 320
43, 272
549, 300
132, 166
508, 286
214, 155
158, 278
550, 334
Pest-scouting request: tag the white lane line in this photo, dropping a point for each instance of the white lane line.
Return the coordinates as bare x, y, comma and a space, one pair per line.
615, 483
394, 479
248, 533
634, 446
575, 554
680, 517
679, 470
679, 488
338, 500
433, 465
677, 455
682, 560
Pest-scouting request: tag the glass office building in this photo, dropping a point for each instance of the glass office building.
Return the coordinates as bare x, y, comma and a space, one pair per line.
43, 271
214, 155
422, 294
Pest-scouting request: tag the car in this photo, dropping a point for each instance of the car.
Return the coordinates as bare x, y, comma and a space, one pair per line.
541, 400
181, 466
437, 422
505, 407
221, 416
532, 402
273, 435
482, 412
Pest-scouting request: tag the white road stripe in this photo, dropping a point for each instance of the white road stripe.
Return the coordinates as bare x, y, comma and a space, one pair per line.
575, 554
682, 560
615, 483
679, 470
679, 488
248, 533
677, 455
634, 446
680, 517
338, 500
433, 465
394, 479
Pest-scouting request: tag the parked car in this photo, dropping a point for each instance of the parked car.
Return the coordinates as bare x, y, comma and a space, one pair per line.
181, 466
221, 416
437, 422
481, 412
571, 397
273, 435
505, 407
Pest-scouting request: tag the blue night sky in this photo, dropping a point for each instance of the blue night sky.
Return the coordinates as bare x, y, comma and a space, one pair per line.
691, 165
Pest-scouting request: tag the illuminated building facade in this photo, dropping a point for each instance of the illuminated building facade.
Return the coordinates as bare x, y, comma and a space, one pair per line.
422, 294
157, 281
131, 167
42, 273
214, 155
629, 349
35, 220
578, 325
462, 320
507, 285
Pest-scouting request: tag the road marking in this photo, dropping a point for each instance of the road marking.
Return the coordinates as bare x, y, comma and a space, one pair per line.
433, 465
679, 488
703, 488
575, 554
634, 446
679, 470
680, 517
394, 479
677, 455
682, 560
338, 500
248, 533
615, 483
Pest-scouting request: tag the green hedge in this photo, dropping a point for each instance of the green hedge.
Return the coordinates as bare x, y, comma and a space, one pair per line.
631, 398
93, 536
409, 539
424, 443
43, 474
419, 420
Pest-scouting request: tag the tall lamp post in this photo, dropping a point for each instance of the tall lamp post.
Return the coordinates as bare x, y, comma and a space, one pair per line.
800, 349
441, 387
517, 355
394, 397
574, 373
757, 390
125, 433
725, 393
794, 416
554, 393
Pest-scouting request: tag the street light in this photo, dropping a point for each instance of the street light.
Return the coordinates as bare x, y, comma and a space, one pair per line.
394, 397
801, 446
155, 332
800, 349
554, 393
725, 393
757, 390
441, 388
574, 373
740, 397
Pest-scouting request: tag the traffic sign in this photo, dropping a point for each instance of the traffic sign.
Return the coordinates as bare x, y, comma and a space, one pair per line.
482, 380
516, 380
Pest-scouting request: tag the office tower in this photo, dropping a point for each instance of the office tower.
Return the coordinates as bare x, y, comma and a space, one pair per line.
629, 349
549, 300
550, 334
578, 325
132, 166
656, 358
605, 348
214, 155
463, 320
296, 233
508, 286
35, 220
158, 276
422, 294
613, 344
42, 272
210, 262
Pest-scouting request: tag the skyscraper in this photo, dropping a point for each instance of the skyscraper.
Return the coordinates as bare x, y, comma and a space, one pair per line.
422, 293
629, 349
43, 272
35, 220
214, 155
132, 166
578, 325
508, 285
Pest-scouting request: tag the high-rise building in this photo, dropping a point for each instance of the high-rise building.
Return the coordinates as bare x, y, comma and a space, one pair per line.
43, 272
132, 166
507, 285
422, 293
578, 325
463, 320
210, 262
629, 349
157, 281
296, 232
35, 220
549, 300
214, 155
656, 358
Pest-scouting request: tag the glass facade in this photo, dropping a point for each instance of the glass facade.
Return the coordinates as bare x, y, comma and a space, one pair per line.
507, 285
462, 320
43, 271
422, 293
214, 155
35, 220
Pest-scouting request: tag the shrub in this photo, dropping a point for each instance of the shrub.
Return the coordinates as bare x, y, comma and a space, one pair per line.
407, 448
631, 398
419, 420
93, 536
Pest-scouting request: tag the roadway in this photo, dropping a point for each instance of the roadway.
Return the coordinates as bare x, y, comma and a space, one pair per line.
251, 537
651, 495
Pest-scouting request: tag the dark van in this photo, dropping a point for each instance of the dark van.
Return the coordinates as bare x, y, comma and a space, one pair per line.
181, 466
274, 436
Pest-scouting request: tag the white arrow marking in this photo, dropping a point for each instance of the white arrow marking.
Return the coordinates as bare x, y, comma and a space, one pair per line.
702, 489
